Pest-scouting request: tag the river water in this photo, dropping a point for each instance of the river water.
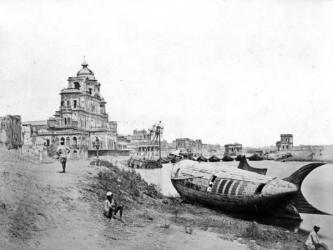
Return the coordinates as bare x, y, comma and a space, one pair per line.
317, 189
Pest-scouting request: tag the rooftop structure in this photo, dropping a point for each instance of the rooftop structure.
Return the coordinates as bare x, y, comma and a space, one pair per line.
285, 143
233, 149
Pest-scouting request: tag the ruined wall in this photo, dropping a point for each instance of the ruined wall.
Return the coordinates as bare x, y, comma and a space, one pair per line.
10, 131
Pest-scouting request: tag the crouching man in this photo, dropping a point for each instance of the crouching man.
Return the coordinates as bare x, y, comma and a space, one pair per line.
313, 242
111, 208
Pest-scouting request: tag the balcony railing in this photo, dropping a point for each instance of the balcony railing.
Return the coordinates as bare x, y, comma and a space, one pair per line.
70, 108
63, 124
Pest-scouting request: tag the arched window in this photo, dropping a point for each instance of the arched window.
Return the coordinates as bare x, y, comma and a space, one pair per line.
74, 142
77, 85
62, 140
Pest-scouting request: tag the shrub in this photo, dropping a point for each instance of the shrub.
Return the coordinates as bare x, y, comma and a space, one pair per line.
126, 185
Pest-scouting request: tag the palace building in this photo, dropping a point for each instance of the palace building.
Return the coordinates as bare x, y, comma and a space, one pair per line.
81, 120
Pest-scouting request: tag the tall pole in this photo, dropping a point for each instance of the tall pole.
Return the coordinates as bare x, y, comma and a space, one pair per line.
159, 141
97, 148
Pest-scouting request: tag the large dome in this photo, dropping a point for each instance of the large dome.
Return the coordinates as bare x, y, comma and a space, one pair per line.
85, 71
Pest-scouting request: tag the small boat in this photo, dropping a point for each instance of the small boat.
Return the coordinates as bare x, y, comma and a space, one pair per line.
255, 157
284, 157
147, 161
202, 158
214, 158
227, 158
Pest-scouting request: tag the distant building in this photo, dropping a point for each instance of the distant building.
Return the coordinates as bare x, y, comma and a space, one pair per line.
10, 131
233, 149
122, 142
30, 131
142, 144
139, 136
285, 143
212, 148
189, 145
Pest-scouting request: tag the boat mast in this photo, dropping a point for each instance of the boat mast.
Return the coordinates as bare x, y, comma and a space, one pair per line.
156, 131
159, 129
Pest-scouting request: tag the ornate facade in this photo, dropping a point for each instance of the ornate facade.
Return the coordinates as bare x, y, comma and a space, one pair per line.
81, 121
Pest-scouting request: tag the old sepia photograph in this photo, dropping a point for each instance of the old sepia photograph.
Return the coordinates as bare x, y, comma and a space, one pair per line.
166, 125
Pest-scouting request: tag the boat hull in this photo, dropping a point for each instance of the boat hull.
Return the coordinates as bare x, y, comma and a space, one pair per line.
277, 206
144, 164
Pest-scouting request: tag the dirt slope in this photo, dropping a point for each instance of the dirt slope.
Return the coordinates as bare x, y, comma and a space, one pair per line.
41, 208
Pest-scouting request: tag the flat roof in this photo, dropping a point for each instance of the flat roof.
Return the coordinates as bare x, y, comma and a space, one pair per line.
40, 123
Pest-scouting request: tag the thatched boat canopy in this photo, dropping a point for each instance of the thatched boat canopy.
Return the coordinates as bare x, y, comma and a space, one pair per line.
202, 158
214, 158
255, 157
227, 158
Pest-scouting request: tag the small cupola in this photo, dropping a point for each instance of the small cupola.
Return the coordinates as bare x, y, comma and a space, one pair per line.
85, 71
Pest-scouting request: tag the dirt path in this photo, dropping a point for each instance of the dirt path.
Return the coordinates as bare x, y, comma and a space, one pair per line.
41, 208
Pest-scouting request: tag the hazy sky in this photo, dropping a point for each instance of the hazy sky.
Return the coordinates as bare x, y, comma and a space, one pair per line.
222, 71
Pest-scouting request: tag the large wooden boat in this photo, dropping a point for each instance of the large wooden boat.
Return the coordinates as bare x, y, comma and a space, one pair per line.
147, 154
238, 190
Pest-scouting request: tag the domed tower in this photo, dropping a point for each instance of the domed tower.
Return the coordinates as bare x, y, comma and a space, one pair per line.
85, 71
81, 103
82, 112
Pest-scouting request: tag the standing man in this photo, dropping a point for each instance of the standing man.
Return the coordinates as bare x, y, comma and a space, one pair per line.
62, 152
313, 242
111, 208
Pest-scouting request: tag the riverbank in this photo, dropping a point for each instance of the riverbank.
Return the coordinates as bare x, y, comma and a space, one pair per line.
41, 208
163, 212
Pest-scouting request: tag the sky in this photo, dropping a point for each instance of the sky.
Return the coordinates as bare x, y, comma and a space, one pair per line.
222, 71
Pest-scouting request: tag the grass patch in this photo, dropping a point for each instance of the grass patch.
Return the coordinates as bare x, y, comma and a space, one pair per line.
127, 186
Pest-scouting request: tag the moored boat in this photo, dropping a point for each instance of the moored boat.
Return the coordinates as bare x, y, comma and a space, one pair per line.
147, 156
214, 158
237, 190
227, 158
